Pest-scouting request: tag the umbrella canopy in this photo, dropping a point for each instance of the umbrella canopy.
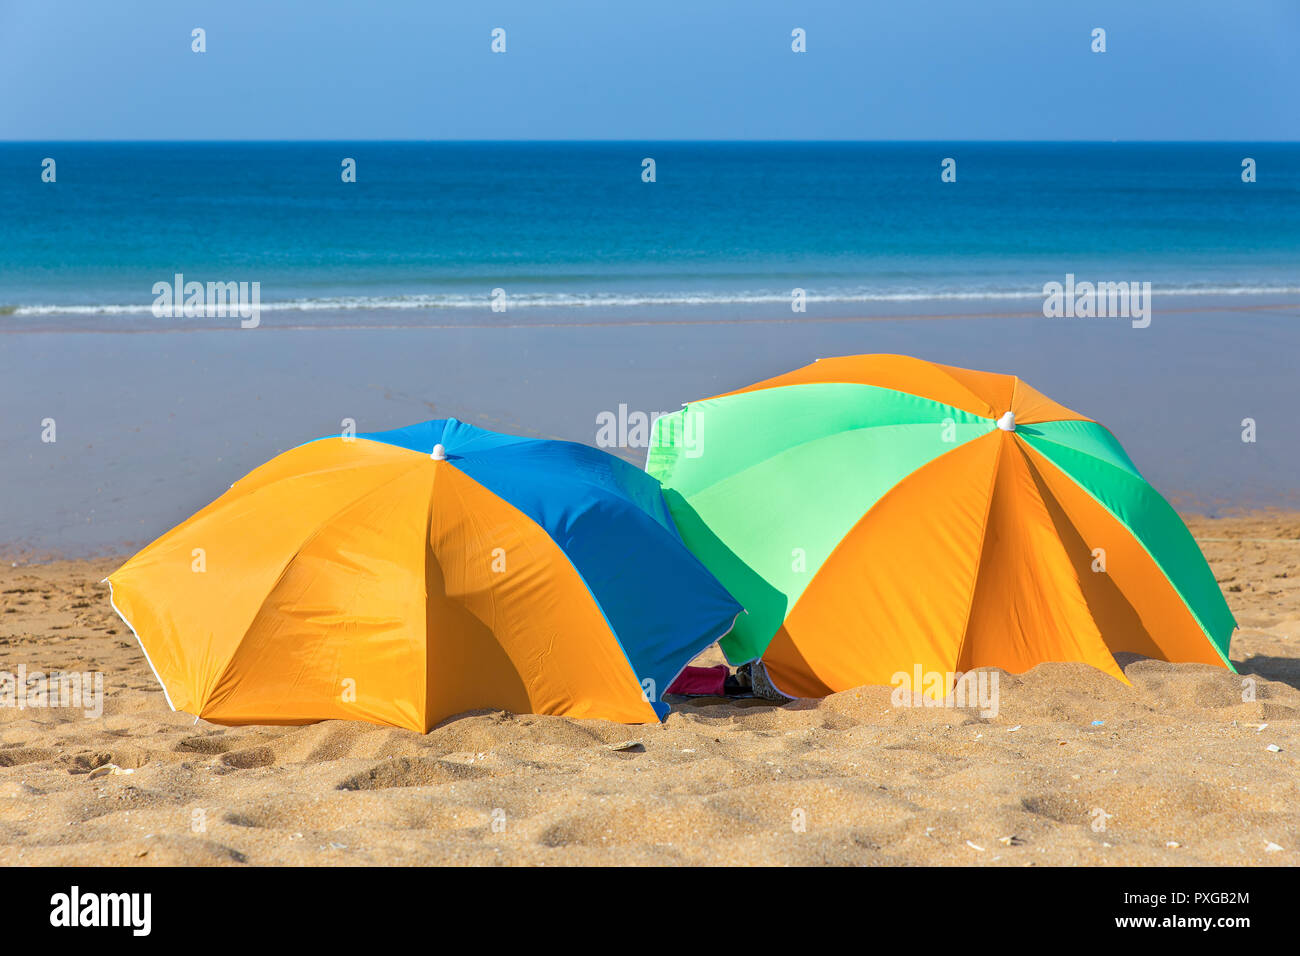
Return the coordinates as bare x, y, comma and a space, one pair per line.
874, 513
402, 577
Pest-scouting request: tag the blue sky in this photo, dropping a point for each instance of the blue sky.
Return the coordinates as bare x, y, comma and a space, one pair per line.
661, 69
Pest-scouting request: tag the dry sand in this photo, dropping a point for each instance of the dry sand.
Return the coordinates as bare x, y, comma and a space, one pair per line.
1180, 763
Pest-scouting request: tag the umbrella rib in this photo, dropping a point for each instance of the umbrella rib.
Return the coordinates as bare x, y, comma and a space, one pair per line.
967, 389
979, 557
428, 556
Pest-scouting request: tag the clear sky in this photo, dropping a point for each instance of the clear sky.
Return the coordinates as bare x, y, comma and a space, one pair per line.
656, 69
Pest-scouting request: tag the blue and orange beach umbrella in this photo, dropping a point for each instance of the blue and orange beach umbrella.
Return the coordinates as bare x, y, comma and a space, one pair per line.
402, 577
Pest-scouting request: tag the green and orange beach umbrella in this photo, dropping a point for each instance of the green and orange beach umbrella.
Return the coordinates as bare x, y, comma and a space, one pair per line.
875, 513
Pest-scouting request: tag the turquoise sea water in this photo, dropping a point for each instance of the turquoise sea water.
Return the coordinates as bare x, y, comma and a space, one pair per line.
573, 226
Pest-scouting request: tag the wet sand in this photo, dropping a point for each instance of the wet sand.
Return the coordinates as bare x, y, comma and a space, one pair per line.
152, 425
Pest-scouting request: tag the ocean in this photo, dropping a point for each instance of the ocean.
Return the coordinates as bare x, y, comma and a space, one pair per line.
573, 226
619, 296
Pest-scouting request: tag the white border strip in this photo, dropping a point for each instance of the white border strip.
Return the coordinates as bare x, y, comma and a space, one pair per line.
148, 660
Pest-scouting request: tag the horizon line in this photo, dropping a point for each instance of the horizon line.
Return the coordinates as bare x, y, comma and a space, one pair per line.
449, 141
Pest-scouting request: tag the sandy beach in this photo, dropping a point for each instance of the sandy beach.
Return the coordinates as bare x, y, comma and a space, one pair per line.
1075, 768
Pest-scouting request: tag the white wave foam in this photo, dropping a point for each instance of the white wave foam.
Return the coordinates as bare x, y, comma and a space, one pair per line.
629, 300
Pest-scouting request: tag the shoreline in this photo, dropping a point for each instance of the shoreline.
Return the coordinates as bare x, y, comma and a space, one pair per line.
567, 316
